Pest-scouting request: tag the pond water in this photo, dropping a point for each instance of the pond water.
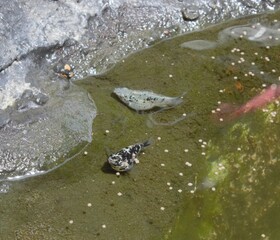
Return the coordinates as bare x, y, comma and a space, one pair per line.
200, 179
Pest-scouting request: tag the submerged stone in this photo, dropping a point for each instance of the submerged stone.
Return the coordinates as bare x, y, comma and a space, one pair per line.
199, 44
265, 35
41, 120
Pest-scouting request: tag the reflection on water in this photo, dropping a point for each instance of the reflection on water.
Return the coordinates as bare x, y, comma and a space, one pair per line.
200, 179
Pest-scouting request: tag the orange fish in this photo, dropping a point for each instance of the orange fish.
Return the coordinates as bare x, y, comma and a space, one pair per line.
230, 112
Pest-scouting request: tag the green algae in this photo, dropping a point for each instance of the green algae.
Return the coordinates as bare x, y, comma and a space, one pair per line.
242, 203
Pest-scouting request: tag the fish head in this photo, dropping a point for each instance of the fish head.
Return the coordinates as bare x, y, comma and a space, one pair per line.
122, 93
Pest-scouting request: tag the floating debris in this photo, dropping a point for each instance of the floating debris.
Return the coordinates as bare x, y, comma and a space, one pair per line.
124, 159
66, 71
188, 164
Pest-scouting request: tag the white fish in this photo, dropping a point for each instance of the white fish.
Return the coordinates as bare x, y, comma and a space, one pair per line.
144, 100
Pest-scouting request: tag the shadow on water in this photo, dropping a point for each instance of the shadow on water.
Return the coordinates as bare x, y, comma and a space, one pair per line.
198, 180
106, 168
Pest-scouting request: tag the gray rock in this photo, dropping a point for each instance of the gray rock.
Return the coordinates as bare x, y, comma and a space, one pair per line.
190, 14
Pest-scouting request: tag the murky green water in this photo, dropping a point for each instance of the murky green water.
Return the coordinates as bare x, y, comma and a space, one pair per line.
199, 179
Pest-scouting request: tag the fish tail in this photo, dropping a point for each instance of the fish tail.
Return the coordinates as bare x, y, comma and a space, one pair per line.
227, 113
183, 94
178, 100
147, 143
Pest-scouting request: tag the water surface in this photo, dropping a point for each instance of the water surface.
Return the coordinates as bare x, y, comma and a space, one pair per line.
200, 179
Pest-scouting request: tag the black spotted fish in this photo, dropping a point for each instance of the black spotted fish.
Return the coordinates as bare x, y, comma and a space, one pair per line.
145, 100
124, 159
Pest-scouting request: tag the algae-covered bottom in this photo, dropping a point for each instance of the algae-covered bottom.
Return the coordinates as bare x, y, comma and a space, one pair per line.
200, 179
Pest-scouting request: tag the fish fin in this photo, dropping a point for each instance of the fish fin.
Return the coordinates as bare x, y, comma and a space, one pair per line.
154, 122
